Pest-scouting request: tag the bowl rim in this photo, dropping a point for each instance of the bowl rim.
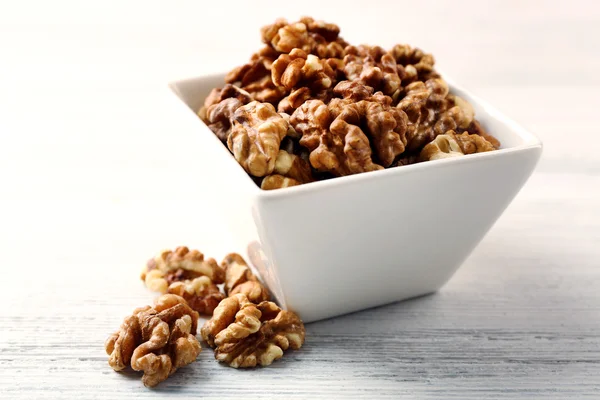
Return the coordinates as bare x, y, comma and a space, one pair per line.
530, 142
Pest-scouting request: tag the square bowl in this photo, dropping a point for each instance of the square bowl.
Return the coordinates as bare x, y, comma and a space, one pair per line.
332, 247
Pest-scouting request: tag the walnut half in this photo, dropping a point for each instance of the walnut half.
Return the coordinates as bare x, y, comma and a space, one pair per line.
240, 279
156, 340
256, 133
245, 334
452, 144
443, 146
200, 293
178, 265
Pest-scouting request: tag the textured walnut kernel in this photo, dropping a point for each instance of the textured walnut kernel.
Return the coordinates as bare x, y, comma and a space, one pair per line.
292, 166
200, 293
340, 151
265, 91
386, 127
246, 335
291, 132
299, 69
315, 37
285, 106
213, 98
353, 90
452, 144
443, 146
255, 137
180, 264
476, 129
240, 279
268, 32
364, 51
155, 280
470, 144
466, 110
302, 75
327, 50
378, 70
235, 316
339, 145
312, 121
290, 103
459, 115
121, 344
220, 105
218, 117
423, 104
258, 66
156, 340
337, 65
227, 92
391, 80
287, 69
292, 36
276, 181
413, 63
255, 77
329, 32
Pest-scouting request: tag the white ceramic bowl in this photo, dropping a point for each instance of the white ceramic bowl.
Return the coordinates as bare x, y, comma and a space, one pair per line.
332, 247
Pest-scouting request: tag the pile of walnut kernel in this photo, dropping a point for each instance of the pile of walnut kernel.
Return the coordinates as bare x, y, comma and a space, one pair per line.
245, 328
308, 106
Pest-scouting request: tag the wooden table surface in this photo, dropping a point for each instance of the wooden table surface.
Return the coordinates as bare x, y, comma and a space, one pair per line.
94, 179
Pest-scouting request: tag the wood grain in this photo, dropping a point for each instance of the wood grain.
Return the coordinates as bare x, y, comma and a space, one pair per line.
93, 181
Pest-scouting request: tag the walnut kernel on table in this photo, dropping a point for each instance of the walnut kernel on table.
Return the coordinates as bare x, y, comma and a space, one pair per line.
240, 279
156, 340
201, 294
331, 109
187, 274
183, 263
245, 334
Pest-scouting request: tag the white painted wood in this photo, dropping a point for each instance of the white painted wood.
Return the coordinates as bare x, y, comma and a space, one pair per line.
91, 185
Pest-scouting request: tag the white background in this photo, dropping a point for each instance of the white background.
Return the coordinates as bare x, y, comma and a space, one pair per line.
92, 183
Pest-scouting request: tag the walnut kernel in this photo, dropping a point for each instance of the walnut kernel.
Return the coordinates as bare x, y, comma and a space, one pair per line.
255, 137
178, 265
200, 293
240, 279
246, 335
156, 340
